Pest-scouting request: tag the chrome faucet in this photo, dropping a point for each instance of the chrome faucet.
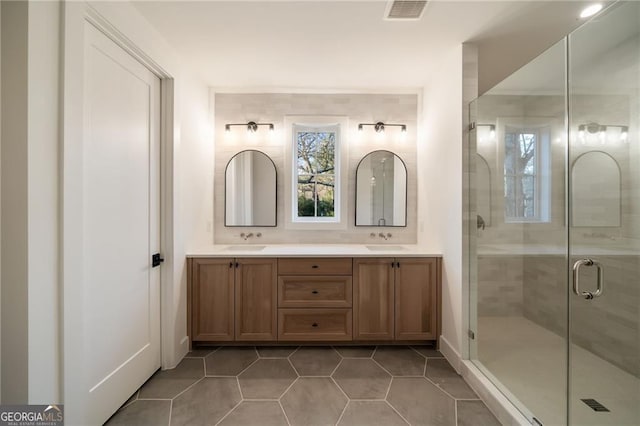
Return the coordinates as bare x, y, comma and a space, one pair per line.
246, 236
382, 235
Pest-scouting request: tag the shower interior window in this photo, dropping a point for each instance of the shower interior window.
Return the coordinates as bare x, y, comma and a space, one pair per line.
526, 174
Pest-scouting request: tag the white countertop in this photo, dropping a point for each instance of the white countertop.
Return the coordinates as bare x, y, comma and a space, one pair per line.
313, 250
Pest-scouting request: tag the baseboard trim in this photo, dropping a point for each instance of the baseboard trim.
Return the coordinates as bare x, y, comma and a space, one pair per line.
506, 413
449, 352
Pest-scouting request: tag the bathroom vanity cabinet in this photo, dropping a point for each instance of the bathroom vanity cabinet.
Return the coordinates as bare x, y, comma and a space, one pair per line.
232, 299
396, 298
323, 299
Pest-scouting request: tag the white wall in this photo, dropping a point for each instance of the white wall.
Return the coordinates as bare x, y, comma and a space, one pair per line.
441, 189
31, 334
43, 238
14, 202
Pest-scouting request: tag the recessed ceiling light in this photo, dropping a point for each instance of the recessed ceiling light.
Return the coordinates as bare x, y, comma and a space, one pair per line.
590, 10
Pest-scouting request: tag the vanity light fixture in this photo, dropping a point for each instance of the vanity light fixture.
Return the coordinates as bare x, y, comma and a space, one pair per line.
601, 130
379, 126
492, 129
251, 126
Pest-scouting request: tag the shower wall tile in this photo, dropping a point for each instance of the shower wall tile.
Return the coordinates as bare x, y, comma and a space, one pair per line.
273, 108
607, 326
500, 286
545, 292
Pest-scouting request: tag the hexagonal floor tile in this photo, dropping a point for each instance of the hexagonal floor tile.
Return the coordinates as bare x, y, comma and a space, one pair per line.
428, 351
313, 401
370, 413
256, 413
142, 413
201, 352
315, 361
475, 413
230, 361
275, 351
355, 351
442, 374
267, 379
400, 360
206, 402
169, 383
421, 402
362, 379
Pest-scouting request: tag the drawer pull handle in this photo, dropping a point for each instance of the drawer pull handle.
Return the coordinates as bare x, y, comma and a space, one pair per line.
314, 292
314, 266
315, 324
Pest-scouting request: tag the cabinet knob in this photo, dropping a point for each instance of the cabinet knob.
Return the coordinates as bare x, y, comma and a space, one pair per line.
315, 324
314, 292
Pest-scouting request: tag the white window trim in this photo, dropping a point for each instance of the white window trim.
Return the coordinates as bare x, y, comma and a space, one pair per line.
544, 128
339, 221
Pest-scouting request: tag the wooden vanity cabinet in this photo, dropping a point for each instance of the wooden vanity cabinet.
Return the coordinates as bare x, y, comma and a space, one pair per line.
376, 299
232, 299
396, 299
211, 295
373, 298
416, 298
314, 299
256, 299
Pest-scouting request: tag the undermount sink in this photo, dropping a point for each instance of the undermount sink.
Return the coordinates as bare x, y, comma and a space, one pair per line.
385, 248
245, 248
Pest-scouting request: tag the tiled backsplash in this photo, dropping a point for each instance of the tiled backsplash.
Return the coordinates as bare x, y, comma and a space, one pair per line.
273, 108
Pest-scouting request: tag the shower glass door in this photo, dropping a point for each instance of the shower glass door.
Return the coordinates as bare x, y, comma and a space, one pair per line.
518, 249
604, 213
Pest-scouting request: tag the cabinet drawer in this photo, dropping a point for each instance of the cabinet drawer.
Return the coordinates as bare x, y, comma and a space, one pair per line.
314, 291
311, 266
314, 324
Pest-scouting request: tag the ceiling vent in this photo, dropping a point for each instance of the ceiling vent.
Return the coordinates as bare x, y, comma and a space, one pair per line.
405, 10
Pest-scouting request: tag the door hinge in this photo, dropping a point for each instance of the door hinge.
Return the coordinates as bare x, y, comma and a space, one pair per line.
471, 334
156, 260
472, 125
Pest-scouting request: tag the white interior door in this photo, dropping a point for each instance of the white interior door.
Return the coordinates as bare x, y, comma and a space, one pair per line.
121, 160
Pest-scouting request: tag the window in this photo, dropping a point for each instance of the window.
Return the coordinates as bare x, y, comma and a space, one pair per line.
526, 174
317, 183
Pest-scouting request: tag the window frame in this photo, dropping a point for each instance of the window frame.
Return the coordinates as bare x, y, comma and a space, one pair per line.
543, 128
293, 124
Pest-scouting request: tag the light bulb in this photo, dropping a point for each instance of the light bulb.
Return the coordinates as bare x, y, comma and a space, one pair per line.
590, 10
624, 134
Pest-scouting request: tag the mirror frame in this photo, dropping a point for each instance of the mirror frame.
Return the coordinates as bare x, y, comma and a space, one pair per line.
406, 190
275, 169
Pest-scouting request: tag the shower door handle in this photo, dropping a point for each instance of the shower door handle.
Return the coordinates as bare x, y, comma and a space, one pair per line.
576, 278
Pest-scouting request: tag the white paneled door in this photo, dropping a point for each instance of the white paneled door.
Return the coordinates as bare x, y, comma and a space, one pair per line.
121, 205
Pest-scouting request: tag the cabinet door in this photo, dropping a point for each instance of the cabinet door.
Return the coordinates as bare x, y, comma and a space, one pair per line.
416, 299
373, 308
212, 299
256, 298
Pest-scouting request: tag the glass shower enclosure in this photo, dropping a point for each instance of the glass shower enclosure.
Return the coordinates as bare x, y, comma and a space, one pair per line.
554, 253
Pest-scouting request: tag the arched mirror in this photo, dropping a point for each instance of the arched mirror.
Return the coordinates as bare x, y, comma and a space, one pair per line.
250, 190
381, 190
595, 196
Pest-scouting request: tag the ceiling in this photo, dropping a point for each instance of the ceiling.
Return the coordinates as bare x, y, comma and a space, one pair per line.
341, 44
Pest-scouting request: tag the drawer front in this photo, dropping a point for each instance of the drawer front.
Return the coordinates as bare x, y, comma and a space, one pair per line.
315, 266
314, 292
314, 324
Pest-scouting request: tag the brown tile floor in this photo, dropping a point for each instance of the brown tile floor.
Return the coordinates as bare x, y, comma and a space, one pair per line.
306, 386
